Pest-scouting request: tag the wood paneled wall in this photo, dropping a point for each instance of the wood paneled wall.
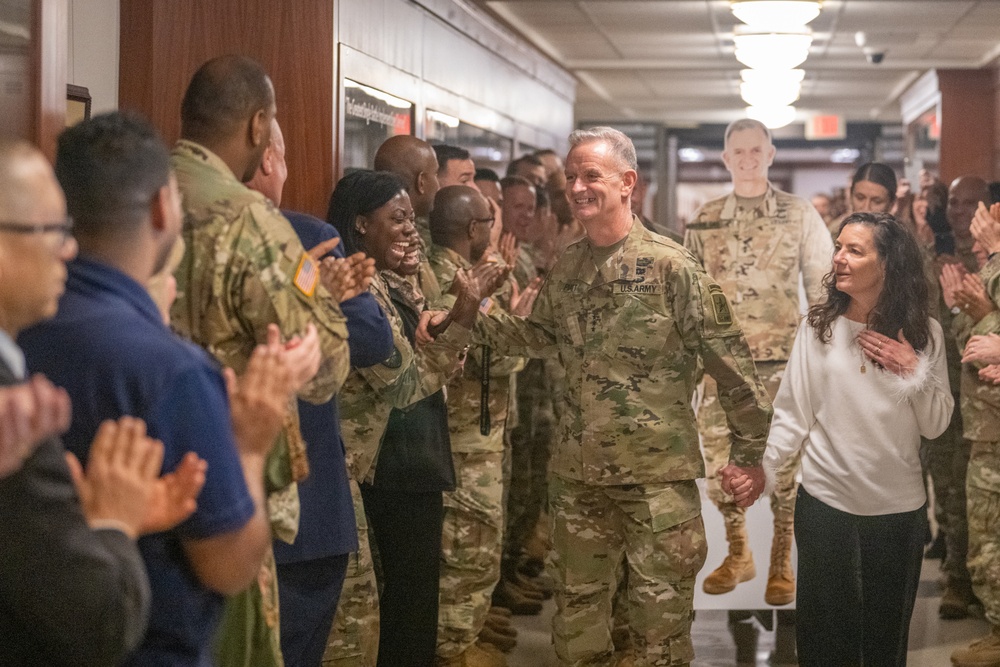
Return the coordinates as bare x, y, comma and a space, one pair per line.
163, 42
967, 123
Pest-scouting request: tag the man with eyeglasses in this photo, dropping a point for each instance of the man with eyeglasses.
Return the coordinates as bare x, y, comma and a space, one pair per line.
477, 410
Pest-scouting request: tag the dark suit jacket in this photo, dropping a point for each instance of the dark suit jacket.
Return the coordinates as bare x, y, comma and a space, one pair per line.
69, 595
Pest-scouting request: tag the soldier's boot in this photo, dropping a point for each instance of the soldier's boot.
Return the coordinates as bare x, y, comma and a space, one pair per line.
503, 642
983, 652
474, 656
956, 599
500, 611
500, 625
736, 568
507, 595
780, 578
534, 585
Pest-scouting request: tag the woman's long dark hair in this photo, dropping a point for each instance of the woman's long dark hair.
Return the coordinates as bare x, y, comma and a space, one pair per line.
903, 303
361, 192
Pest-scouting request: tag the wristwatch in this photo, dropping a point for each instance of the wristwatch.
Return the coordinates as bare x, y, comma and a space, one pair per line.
955, 310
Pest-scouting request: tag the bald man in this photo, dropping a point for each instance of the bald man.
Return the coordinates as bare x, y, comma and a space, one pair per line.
948, 454
477, 410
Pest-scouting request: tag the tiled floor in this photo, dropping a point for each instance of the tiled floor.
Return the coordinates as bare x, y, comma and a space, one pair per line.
761, 632
931, 639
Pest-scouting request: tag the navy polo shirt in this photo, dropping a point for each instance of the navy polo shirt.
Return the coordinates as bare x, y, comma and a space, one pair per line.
326, 520
109, 348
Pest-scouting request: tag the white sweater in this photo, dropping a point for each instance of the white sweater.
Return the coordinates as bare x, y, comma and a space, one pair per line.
859, 432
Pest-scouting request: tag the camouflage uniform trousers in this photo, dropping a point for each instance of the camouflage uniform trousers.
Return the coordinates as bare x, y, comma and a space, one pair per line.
248, 635
715, 446
947, 463
656, 529
470, 549
983, 492
353, 638
530, 445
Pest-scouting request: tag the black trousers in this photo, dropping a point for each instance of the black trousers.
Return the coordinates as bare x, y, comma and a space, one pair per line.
406, 528
857, 583
308, 593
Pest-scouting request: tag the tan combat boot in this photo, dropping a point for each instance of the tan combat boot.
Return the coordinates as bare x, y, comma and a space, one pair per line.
984, 652
780, 578
737, 566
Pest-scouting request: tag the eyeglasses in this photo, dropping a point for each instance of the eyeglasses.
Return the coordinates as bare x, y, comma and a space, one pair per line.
60, 231
490, 220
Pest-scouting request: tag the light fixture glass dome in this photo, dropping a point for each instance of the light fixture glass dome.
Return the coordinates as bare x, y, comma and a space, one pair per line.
772, 116
769, 93
786, 76
777, 15
769, 50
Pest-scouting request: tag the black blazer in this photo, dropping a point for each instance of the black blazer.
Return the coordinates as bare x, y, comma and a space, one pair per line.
69, 595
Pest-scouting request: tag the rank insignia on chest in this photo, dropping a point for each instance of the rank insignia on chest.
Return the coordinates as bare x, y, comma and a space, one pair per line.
307, 275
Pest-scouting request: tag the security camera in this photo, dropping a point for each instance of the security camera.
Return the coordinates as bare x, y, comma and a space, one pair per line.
875, 57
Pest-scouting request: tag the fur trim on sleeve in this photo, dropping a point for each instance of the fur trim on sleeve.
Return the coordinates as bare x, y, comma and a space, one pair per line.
904, 387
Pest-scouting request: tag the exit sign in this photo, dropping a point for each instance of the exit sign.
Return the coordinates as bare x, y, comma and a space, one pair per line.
826, 127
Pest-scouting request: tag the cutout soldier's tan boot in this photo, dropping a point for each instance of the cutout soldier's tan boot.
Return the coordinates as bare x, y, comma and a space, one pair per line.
736, 568
780, 578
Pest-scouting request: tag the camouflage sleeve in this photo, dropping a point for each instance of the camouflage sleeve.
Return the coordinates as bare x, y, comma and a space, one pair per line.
708, 325
284, 288
815, 254
991, 278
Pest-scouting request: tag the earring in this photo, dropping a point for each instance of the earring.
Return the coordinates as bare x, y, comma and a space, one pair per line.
360, 230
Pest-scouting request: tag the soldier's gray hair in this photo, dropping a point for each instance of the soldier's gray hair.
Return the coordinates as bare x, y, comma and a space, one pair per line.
747, 124
621, 146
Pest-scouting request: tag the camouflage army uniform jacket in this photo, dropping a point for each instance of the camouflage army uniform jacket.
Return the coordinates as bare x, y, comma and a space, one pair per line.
980, 400
756, 256
631, 334
244, 268
370, 394
465, 390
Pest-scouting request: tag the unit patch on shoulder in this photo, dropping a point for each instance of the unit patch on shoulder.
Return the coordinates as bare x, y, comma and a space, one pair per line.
723, 315
307, 275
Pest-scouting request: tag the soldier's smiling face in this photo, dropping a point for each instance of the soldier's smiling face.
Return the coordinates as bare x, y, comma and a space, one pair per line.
390, 236
595, 183
748, 155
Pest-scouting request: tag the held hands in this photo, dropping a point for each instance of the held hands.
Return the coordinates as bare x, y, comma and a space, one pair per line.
258, 400
30, 413
985, 349
744, 484
896, 356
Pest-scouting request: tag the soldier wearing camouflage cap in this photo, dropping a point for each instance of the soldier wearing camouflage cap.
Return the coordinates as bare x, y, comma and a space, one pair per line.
757, 241
633, 318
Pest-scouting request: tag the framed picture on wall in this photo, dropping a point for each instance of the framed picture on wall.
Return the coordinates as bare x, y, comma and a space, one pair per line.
77, 104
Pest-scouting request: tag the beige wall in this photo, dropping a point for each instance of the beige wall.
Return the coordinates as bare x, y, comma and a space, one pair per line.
93, 51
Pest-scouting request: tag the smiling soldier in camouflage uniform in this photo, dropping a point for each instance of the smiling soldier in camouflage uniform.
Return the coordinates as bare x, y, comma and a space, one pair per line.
632, 316
756, 241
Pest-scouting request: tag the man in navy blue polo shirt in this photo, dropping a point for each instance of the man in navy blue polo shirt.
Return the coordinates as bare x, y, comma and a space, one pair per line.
110, 349
311, 570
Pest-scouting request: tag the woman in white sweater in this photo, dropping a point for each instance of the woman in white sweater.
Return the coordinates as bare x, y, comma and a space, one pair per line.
866, 379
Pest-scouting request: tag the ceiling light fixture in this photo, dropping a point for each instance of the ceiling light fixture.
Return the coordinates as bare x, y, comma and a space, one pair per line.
777, 15
772, 116
769, 93
771, 50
